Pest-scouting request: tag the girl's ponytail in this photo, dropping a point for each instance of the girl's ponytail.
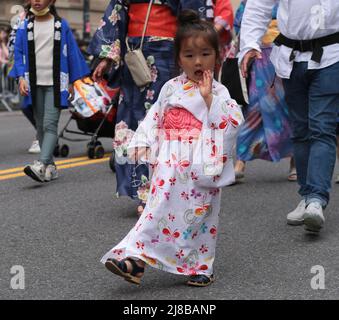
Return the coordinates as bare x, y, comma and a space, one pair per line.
188, 17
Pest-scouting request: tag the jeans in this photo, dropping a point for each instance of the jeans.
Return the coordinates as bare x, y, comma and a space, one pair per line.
46, 119
313, 100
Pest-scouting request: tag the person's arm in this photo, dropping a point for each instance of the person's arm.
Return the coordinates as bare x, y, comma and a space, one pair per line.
6, 52
108, 40
223, 16
205, 88
18, 70
255, 21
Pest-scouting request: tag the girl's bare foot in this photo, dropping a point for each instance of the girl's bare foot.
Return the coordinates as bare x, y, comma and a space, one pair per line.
239, 169
292, 175
140, 208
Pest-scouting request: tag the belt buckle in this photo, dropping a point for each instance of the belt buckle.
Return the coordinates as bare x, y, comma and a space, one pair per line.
301, 46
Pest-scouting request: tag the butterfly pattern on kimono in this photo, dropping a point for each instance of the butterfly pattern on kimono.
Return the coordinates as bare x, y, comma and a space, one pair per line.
179, 223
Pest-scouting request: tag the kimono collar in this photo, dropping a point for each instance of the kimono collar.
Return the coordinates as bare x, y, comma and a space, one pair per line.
57, 28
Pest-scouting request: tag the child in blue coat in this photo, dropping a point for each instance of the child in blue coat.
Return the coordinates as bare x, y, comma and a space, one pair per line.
47, 61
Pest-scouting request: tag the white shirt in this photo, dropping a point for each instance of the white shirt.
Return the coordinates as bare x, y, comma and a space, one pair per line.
44, 45
298, 20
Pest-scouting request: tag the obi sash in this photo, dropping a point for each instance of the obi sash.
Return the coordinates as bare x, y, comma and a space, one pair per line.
161, 22
179, 124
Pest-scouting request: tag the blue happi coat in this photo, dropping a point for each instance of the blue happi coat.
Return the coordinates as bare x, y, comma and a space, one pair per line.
69, 64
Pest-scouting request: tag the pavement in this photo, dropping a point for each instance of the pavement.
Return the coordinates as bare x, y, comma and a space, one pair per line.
59, 231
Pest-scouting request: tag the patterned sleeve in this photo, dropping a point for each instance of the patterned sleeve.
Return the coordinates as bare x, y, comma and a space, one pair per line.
108, 41
218, 138
148, 132
11, 39
18, 69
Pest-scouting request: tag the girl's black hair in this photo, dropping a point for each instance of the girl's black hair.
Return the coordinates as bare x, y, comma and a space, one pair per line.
190, 24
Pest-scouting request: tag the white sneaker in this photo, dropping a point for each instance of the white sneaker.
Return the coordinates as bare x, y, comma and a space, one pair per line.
313, 217
34, 148
36, 171
51, 172
296, 217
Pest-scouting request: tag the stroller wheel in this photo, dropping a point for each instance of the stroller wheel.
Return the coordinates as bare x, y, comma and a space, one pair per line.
99, 152
90, 151
56, 151
64, 150
112, 161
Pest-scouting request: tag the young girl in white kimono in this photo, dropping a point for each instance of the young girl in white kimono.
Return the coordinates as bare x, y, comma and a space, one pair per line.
187, 136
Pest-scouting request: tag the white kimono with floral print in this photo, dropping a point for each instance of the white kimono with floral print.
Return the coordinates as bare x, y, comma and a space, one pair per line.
191, 149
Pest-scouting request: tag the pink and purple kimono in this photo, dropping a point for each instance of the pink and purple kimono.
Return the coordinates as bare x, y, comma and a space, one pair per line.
191, 158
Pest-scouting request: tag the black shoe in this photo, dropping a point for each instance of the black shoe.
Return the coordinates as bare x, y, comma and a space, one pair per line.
120, 268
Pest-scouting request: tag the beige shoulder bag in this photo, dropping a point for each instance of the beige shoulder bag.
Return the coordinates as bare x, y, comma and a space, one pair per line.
136, 61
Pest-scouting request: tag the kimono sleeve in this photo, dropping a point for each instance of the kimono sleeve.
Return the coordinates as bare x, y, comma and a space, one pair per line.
218, 138
148, 133
77, 65
110, 36
18, 69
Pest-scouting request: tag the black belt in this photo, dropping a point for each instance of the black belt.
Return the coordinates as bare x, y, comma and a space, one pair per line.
315, 45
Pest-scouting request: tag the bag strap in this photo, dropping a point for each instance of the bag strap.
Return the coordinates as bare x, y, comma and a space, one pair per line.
146, 22
145, 26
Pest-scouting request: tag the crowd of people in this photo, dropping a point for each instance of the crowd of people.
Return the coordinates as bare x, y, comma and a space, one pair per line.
8, 92
181, 113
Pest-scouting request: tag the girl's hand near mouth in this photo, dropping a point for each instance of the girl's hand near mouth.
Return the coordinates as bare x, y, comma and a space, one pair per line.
205, 87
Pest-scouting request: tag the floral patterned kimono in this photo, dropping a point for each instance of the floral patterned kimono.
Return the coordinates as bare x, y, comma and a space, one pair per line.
191, 157
134, 102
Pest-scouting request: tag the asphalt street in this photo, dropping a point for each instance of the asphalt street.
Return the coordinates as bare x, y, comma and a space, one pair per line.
59, 231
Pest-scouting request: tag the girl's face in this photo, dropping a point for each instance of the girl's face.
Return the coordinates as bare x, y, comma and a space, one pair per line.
39, 5
196, 56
